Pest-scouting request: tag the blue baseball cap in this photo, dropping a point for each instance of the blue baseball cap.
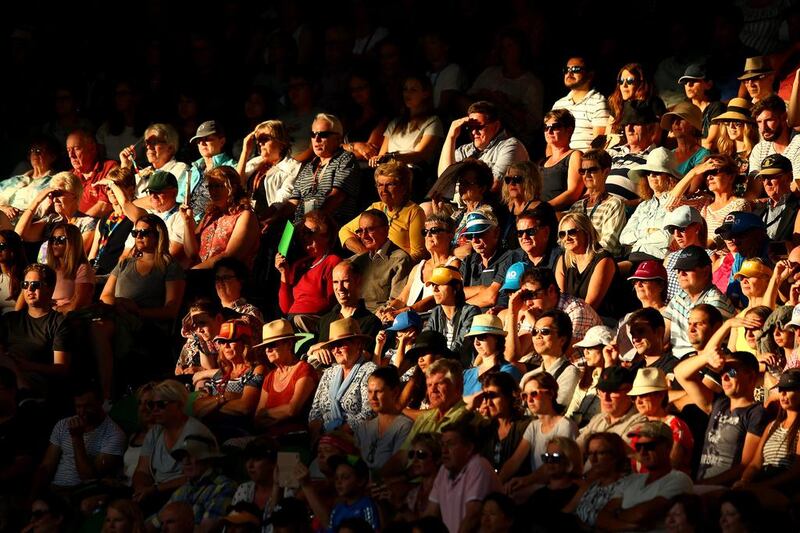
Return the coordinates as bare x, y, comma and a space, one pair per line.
478, 222
405, 320
513, 279
739, 222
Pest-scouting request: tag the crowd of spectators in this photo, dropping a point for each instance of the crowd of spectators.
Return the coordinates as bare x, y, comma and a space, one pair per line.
351, 270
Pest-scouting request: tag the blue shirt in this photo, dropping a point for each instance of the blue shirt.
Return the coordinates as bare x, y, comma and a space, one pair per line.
472, 384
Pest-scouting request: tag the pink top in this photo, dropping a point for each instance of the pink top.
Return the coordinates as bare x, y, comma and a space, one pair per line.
216, 234
473, 483
65, 288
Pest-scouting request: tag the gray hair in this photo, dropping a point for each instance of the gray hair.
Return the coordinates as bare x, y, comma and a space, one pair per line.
165, 131
451, 369
67, 181
172, 391
332, 120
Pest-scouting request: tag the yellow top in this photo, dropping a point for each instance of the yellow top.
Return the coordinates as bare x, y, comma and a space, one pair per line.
405, 228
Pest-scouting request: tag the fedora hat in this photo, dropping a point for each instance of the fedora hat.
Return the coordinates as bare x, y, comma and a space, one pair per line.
756, 66
275, 331
346, 328
659, 160
648, 380
688, 112
738, 109
486, 324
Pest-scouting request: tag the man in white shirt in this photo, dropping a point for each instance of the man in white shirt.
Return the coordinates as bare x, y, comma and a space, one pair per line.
588, 106
777, 137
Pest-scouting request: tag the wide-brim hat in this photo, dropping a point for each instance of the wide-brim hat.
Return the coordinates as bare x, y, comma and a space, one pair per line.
346, 328
754, 67
688, 112
275, 331
660, 160
429, 341
201, 447
648, 380
738, 109
486, 324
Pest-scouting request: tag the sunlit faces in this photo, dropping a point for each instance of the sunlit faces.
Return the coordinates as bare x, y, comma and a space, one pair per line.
440, 390
205, 326
58, 243
145, 237
659, 181
392, 191
157, 150
279, 350
759, 87
537, 399
789, 399
483, 130
381, 397
645, 339
314, 238
163, 200
64, 202
546, 337
699, 328
594, 177
648, 290
650, 404
346, 351
495, 401
444, 294
616, 402
770, 124
754, 285
556, 133
324, 141
694, 279
628, 83
485, 345
575, 73
373, 232
268, 146
35, 289
82, 152
687, 236
210, 145
485, 243
532, 236
696, 88
571, 237
344, 284
784, 337
437, 237
776, 185
735, 129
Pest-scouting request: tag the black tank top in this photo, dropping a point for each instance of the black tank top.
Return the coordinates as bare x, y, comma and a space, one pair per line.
554, 179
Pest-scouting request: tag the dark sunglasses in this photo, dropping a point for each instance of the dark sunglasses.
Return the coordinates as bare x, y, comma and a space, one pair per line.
223, 342
530, 295
61, 239
433, 231
528, 232
418, 454
322, 134
157, 404
32, 285
4, 246
645, 446
466, 183
589, 170
264, 139
474, 126
36, 150
474, 236
574, 69
490, 395
142, 233
525, 396
56, 194
513, 180
152, 143
630, 80
568, 233
545, 332
553, 127
552, 458
729, 371
677, 229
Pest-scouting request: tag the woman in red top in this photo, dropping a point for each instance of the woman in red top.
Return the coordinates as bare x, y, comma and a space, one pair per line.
307, 284
287, 391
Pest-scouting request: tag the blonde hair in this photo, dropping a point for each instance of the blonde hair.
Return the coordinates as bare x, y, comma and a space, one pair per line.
727, 146
278, 130
571, 450
531, 180
67, 181
161, 256
582, 223
74, 254
172, 391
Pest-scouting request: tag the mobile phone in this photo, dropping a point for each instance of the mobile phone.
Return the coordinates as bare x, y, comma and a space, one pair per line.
286, 463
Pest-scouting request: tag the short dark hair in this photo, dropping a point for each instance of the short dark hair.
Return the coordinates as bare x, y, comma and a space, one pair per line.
545, 277
484, 107
715, 317
239, 269
47, 274
389, 376
563, 323
650, 315
772, 103
483, 174
600, 156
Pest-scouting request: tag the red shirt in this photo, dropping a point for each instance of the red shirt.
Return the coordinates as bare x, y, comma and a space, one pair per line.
310, 287
92, 195
276, 398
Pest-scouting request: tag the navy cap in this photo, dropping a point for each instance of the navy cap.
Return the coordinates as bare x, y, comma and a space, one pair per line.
613, 378
692, 257
739, 222
695, 71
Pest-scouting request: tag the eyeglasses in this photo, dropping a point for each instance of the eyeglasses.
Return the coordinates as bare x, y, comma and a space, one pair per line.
264, 139
553, 127
223, 279
32, 285
513, 180
157, 404
370, 230
589, 170
433, 231
418, 454
525, 396
574, 69
60, 239
545, 332
153, 142
36, 150
528, 232
474, 236
142, 233
552, 458
322, 134
571, 232
630, 80
646, 446
490, 395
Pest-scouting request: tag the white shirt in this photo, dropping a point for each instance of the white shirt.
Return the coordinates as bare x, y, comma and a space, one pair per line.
591, 112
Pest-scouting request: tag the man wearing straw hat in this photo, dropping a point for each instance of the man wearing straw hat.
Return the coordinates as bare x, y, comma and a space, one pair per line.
758, 78
777, 137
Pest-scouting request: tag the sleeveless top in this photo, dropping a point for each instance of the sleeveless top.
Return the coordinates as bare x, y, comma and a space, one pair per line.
215, 235
554, 179
577, 284
777, 451
418, 289
277, 398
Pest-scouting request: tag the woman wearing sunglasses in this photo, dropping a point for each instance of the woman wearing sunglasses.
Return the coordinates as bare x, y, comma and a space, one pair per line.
424, 460
74, 276
488, 338
521, 191
632, 84
12, 266
499, 402
562, 185
113, 231
160, 146
561, 468
738, 133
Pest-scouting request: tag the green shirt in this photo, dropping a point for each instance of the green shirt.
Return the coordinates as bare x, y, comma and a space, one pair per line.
429, 422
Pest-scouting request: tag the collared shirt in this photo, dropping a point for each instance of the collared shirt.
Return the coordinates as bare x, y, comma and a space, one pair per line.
765, 148
314, 183
601, 423
91, 195
590, 112
405, 228
476, 274
430, 422
501, 151
772, 215
645, 231
678, 310
608, 218
209, 496
472, 483
385, 274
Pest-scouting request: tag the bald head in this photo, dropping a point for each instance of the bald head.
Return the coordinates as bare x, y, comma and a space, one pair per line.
346, 284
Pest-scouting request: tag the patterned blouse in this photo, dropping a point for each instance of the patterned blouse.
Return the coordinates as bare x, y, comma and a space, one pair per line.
216, 234
354, 402
219, 381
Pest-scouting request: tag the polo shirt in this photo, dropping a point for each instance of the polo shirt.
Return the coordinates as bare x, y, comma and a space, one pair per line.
429, 421
501, 151
476, 274
590, 112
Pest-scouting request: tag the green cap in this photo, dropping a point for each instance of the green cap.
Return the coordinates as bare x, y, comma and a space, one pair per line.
160, 180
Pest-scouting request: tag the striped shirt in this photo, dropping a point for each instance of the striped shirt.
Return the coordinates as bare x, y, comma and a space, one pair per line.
622, 160
314, 183
608, 218
591, 112
765, 148
777, 452
107, 438
678, 311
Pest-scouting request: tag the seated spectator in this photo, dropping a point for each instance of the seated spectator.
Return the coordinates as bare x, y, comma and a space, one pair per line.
415, 137
452, 315
348, 279
650, 284
646, 330
200, 326
617, 412
424, 460
49, 512
536, 294
122, 513
607, 455
158, 474
634, 87
585, 402
642, 134
230, 279
490, 144
606, 212
230, 395
642, 500
12, 267
686, 227
384, 264
537, 238
488, 337
644, 232
776, 135
758, 78
694, 278
498, 513
745, 238
406, 219
649, 392
484, 269
288, 388
59, 203
83, 448
464, 478
560, 472
36, 339
161, 146
306, 290
144, 421
779, 212
404, 329
561, 181
521, 192
381, 437
89, 168
777, 337
552, 340
498, 401
74, 276
342, 397
539, 392
740, 510
207, 490
698, 88
736, 422
429, 347
738, 133
210, 140
17, 192
260, 457
587, 271
686, 513
113, 230
177, 517
417, 295
228, 227
588, 107
367, 119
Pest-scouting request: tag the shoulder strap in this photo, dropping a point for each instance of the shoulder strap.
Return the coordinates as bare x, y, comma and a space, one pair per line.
560, 370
